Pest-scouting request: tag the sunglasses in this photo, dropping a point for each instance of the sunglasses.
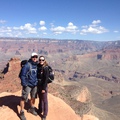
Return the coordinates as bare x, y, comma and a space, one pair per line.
41, 60
34, 56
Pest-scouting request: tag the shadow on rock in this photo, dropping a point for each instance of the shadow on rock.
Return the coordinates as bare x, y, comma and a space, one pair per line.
12, 102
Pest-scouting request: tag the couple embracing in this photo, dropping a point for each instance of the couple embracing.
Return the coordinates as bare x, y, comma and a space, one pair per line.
34, 76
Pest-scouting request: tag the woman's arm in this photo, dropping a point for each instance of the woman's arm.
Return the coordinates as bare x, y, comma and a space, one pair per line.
45, 77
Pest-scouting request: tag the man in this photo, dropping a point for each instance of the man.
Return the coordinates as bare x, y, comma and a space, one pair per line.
29, 82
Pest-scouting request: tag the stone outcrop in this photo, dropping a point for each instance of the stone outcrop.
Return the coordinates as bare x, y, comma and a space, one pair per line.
11, 81
13, 67
84, 96
58, 109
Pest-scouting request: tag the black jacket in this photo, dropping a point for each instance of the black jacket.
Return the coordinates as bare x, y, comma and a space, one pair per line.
42, 75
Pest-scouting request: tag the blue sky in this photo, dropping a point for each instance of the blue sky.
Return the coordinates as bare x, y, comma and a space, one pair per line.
97, 20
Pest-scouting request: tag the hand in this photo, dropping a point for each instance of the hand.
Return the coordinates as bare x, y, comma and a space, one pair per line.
43, 91
24, 87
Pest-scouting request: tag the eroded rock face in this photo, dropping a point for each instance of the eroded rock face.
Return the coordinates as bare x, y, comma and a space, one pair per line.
13, 67
11, 81
59, 77
84, 96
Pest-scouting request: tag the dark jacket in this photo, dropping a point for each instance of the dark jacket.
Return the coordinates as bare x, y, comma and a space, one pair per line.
43, 74
29, 74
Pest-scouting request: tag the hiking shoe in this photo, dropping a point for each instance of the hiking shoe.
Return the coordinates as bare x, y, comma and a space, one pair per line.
39, 111
22, 116
43, 118
32, 110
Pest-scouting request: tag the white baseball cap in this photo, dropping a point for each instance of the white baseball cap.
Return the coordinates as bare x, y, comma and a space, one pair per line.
34, 54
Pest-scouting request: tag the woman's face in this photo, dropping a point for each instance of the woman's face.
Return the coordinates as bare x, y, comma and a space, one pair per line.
41, 60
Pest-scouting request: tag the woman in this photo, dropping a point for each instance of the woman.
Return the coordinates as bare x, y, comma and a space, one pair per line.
43, 74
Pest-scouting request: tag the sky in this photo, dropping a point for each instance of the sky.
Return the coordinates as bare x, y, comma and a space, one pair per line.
97, 20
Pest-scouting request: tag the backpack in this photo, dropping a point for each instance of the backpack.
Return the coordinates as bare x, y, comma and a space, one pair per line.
23, 62
51, 74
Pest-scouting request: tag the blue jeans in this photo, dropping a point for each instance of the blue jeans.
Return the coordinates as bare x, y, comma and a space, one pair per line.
43, 102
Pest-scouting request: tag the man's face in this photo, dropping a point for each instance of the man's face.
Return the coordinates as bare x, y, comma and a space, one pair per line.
35, 58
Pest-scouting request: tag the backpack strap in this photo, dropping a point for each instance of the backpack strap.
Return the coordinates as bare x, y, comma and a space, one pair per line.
30, 68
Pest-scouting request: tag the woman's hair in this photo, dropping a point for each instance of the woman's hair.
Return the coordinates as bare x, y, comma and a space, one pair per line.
45, 62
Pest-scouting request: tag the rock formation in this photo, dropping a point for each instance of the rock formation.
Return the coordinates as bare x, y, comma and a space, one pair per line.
11, 82
58, 109
85, 95
9, 100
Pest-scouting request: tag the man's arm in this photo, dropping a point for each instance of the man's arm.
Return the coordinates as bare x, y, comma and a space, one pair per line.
24, 72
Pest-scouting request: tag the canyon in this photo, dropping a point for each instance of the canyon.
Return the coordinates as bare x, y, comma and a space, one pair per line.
87, 74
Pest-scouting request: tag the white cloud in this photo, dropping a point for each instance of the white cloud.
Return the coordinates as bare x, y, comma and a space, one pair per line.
18, 34
70, 24
44, 33
18, 31
52, 25
84, 26
43, 28
5, 29
115, 31
9, 29
2, 21
96, 21
42, 23
94, 28
10, 34
16, 28
58, 30
1, 34
71, 28
27, 27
